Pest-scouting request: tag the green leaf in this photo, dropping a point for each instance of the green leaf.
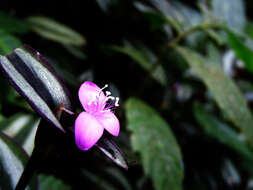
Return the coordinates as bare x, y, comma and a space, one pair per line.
55, 31
178, 15
152, 138
99, 181
21, 127
232, 12
118, 175
156, 19
221, 132
8, 43
11, 24
52, 183
224, 90
105, 5
146, 59
12, 162
241, 50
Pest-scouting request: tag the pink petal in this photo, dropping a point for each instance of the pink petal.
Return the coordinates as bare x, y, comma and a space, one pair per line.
110, 122
87, 131
88, 92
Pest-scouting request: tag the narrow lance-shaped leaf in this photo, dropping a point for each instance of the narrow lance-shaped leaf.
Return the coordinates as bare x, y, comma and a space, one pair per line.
224, 90
12, 161
152, 138
111, 150
55, 31
36, 80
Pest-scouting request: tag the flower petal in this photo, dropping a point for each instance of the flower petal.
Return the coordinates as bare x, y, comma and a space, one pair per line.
88, 92
87, 131
110, 122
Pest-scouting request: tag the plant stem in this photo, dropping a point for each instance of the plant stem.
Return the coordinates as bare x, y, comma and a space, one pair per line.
182, 35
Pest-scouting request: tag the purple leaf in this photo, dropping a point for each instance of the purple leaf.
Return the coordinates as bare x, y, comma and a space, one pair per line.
36, 80
112, 151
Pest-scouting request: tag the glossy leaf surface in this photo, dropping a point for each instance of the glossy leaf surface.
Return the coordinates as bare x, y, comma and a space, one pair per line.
241, 50
36, 80
112, 151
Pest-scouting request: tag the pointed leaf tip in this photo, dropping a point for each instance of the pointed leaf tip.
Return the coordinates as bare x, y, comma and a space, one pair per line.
112, 151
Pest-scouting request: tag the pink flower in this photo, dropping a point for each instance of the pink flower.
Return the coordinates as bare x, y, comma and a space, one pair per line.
98, 115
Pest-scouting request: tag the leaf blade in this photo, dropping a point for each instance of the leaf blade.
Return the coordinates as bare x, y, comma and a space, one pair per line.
220, 131
152, 138
146, 59
55, 31
111, 150
13, 160
241, 50
225, 92
37, 82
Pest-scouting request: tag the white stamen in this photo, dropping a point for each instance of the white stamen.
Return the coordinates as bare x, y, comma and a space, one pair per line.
117, 102
108, 93
106, 85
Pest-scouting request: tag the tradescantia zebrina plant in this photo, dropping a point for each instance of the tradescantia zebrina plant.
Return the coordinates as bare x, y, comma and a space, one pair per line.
60, 128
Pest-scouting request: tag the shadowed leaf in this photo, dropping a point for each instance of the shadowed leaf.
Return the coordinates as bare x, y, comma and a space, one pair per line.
55, 31
112, 151
51, 182
146, 59
8, 43
220, 131
11, 24
12, 162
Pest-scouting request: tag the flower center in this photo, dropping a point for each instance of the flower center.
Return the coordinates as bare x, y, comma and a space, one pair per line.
103, 103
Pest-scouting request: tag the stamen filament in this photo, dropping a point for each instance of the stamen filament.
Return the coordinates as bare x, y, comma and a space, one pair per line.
117, 102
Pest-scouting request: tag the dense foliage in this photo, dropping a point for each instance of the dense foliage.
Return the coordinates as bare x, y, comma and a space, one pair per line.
183, 72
